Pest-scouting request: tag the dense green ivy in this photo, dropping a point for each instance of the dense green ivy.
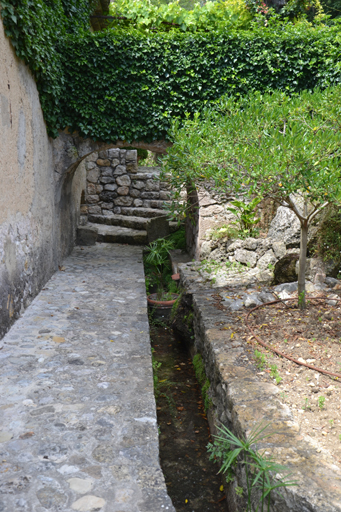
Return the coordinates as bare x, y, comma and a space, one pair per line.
129, 85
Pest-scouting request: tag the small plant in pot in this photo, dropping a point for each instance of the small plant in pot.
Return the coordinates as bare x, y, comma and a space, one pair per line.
161, 289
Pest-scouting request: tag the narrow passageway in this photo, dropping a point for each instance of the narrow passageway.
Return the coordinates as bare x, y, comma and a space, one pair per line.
78, 422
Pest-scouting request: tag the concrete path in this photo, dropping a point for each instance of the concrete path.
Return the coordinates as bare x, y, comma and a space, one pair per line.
77, 413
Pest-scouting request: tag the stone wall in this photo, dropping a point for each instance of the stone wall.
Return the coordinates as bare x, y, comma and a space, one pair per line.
114, 180
241, 400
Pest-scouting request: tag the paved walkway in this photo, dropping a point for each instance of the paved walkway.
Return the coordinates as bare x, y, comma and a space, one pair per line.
77, 413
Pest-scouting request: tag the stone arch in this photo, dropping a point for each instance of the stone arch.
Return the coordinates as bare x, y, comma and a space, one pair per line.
69, 150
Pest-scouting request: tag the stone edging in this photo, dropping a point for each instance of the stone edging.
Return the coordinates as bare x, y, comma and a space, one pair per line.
242, 400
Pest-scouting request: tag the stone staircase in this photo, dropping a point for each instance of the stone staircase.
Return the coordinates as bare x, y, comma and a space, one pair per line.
122, 203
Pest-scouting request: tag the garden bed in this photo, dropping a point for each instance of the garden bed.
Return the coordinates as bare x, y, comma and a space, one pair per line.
313, 337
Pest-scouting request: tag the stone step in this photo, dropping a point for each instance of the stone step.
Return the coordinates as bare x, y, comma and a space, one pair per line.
120, 235
142, 212
124, 221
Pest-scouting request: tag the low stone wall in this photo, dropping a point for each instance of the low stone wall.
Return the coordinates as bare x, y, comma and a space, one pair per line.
114, 180
241, 400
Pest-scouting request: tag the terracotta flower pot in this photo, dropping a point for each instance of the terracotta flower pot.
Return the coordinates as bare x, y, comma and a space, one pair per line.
161, 308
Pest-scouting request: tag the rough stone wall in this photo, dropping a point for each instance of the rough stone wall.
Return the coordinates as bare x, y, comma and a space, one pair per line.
114, 180
36, 220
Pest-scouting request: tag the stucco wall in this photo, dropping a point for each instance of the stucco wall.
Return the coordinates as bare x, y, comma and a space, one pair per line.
32, 200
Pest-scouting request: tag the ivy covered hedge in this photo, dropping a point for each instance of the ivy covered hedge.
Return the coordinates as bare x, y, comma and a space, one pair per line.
128, 85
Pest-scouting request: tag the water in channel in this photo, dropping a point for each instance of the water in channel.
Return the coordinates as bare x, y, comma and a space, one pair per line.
192, 480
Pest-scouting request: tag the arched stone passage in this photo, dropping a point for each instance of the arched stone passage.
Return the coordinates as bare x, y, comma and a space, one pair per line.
69, 150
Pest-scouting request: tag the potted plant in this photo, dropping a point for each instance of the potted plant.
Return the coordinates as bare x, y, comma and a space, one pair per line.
161, 289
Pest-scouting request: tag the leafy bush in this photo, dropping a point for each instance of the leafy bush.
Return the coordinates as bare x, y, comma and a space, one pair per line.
128, 85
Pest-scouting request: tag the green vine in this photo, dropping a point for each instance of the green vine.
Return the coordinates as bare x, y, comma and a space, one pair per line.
129, 84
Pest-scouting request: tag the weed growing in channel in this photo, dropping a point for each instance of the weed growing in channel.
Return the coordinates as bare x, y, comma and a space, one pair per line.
321, 401
260, 359
258, 469
274, 374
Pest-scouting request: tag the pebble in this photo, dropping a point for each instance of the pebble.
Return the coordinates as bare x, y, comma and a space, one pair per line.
80, 486
88, 503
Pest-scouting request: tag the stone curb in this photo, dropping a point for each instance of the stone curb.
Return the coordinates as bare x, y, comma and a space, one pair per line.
241, 401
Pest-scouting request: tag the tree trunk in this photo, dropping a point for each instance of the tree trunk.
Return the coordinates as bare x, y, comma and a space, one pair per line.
302, 264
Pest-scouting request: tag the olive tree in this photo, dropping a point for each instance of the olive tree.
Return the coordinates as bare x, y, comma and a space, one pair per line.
269, 146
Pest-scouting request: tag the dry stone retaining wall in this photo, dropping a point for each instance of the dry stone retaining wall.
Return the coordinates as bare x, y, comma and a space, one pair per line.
114, 180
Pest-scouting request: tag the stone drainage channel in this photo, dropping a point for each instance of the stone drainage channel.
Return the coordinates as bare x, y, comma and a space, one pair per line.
192, 480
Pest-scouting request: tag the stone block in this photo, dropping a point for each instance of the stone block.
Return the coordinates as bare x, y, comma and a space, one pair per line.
86, 235
165, 196
119, 170
139, 184
114, 153
156, 204
91, 189
157, 227
132, 167
268, 259
94, 210
131, 155
117, 210
134, 192
103, 163
99, 189
111, 187
138, 202
103, 154
93, 175
150, 195
107, 206
123, 181
90, 165
123, 201
106, 171
152, 185
107, 179
93, 157
123, 191
92, 199
107, 213
108, 196
279, 249
146, 203
115, 162
84, 209
247, 257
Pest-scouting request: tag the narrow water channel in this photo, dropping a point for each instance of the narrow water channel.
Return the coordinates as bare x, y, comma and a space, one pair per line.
192, 480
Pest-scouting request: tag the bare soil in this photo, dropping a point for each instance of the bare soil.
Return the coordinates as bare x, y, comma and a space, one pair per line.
314, 336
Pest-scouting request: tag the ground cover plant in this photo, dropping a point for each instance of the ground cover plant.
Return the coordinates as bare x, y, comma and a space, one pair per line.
270, 146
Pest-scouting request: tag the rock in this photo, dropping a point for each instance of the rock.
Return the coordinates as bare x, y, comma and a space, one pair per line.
252, 301
266, 260
92, 199
138, 202
123, 191
51, 498
205, 250
283, 295
103, 163
152, 185
131, 155
86, 235
331, 282
285, 269
285, 226
91, 189
107, 206
247, 257
111, 187
250, 243
88, 503
134, 192
123, 181
288, 287
115, 162
138, 184
90, 165
236, 305
119, 170
95, 210
113, 153
103, 154
5, 436
266, 297
107, 179
107, 196
279, 249
106, 172
80, 485
93, 175
124, 201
